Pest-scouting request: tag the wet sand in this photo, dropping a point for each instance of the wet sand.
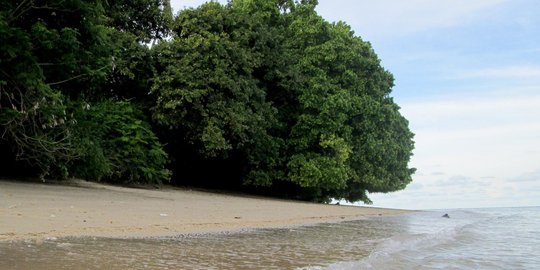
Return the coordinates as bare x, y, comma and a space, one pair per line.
35, 211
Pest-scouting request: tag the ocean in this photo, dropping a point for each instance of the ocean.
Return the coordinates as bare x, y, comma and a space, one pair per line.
489, 238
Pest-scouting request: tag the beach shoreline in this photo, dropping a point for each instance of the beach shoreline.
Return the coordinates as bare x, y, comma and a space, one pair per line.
40, 211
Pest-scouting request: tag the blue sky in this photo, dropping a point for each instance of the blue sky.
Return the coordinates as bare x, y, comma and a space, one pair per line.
468, 80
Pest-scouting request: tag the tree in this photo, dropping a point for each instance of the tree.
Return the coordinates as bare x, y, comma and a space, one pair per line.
50, 50
117, 144
312, 100
348, 136
206, 93
57, 55
264, 90
148, 20
137, 24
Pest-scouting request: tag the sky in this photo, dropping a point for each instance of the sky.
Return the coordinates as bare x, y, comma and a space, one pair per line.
467, 75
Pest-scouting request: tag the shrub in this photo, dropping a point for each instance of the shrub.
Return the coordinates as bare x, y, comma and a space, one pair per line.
117, 145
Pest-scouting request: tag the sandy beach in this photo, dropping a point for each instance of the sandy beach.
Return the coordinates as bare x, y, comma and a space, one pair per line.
36, 211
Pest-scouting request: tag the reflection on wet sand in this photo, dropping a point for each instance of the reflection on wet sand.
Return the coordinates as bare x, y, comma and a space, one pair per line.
262, 249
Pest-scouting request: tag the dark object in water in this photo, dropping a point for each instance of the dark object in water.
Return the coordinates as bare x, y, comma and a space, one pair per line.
446, 216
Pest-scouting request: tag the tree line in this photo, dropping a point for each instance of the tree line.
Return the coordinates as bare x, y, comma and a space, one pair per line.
258, 95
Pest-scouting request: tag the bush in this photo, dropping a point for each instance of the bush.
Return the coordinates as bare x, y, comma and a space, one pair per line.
117, 145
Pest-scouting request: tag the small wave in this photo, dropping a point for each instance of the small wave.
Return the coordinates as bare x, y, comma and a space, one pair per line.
470, 239
425, 233
407, 246
398, 252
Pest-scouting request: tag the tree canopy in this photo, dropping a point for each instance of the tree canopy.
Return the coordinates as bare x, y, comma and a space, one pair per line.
261, 95
58, 57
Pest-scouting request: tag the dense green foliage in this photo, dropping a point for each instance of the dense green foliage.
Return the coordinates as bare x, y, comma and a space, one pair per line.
117, 145
49, 51
54, 56
263, 94
207, 93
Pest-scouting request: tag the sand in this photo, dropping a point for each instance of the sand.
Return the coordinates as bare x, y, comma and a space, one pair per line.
36, 211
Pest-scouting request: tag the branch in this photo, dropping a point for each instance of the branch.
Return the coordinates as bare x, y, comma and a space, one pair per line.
14, 14
75, 77
67, 80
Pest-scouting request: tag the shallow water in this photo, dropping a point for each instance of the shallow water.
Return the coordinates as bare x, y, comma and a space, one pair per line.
494, 238
263, 249
503, 238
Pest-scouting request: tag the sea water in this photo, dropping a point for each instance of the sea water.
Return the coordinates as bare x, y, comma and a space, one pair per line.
493, 238
496, 238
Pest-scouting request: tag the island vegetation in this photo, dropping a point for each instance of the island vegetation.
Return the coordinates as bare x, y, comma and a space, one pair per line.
263, 96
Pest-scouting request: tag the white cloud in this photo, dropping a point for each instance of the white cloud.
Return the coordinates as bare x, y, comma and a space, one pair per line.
502, 72
480, 137
533, 176
472, 193
468, 138
388, 18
